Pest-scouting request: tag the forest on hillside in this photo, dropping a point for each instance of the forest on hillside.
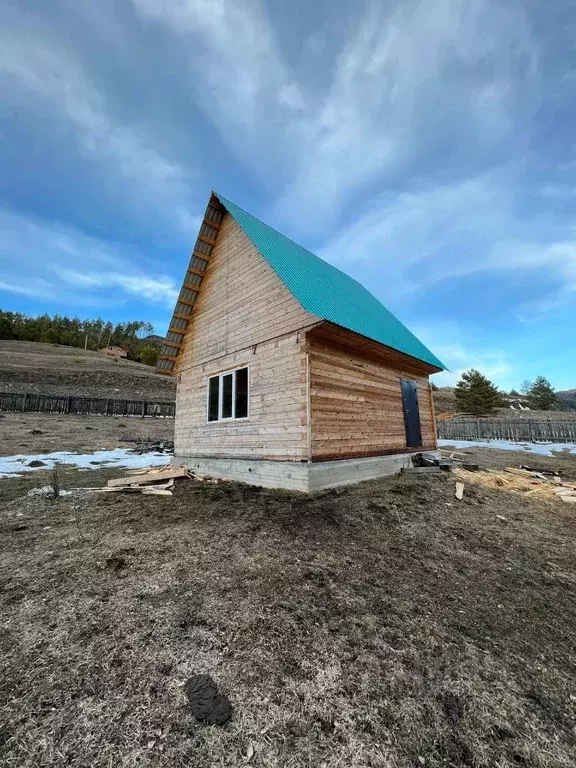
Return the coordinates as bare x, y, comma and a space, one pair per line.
73, 332
567, 399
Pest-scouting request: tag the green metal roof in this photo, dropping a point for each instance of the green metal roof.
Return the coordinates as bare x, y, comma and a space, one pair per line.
325, 291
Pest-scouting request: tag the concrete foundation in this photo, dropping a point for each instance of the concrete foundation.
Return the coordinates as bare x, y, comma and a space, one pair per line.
297, 475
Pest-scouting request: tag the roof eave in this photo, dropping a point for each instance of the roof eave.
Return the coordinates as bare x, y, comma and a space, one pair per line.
432, 368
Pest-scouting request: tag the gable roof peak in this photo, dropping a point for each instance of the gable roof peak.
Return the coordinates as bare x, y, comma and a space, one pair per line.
325, 291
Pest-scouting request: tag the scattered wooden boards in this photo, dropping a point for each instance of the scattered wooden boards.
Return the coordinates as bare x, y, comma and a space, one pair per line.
521, 481
154, 481
152, 476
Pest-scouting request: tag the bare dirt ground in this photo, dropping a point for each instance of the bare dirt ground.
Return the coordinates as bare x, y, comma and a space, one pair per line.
490, 458
383, 625
27, 366
37, 433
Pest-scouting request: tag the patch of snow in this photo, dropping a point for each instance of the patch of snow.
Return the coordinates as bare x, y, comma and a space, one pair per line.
541, 449
12, 466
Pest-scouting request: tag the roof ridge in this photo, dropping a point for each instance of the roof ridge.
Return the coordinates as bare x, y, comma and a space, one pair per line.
298, 245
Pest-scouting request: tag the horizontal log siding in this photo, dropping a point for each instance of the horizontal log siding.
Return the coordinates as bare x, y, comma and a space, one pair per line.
244, 315
356, 404
276, 428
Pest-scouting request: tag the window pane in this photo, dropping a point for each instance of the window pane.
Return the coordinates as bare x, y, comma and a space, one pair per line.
227, 396
242, 393
213, 399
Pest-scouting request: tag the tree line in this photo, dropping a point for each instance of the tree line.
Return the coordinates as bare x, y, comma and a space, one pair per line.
478, 396
73, 332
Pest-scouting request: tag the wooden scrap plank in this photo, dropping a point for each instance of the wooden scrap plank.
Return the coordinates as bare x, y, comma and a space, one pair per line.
148, 490
421, 470
459, 493
149, 477
146, 470
569, 499
520, 472
152, 491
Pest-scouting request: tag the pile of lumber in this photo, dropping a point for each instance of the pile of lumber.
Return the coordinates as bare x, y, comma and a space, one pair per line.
523, 480
154, 481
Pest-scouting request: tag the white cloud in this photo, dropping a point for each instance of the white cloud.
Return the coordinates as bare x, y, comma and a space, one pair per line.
406, 78
50, 76
48, 259
162, 289
415, 240
492, 363
409, 75
35, 288
447, 341
237, 72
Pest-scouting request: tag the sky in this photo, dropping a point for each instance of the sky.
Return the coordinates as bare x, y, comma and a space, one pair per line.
425, 147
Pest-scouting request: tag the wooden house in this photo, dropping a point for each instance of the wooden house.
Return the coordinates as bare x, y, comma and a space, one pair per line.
290, 373
114, 350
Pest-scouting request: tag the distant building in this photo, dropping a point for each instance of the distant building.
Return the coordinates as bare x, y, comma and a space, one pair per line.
115, 350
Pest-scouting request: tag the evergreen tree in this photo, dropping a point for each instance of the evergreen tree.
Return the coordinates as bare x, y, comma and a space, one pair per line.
475, 394
5, 328
433, 387
72, 332
149, 354
541, 396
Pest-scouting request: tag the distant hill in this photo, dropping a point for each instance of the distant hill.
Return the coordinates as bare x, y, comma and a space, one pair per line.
54, 369
154, 340
568, 399
444, 400
445, 403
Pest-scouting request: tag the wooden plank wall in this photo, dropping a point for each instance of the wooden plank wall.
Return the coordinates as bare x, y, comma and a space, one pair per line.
242, 302
244, 315
277, 426
356, 402
529, 430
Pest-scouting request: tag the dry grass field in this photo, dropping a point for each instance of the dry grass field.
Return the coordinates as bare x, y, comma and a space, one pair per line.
54, 369
38, 433
385, 625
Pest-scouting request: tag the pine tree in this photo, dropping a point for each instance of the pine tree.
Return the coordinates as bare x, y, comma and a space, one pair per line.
541, 396
148, 354
475, 394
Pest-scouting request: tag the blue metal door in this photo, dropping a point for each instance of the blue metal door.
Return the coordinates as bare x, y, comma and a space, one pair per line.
411, 414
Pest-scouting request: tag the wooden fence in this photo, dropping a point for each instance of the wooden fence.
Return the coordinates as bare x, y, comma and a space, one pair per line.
87, 405
516, 431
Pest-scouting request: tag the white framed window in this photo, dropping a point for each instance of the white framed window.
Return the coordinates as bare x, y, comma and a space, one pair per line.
228, 395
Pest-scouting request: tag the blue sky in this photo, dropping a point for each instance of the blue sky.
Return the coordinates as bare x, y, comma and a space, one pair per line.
427, 147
